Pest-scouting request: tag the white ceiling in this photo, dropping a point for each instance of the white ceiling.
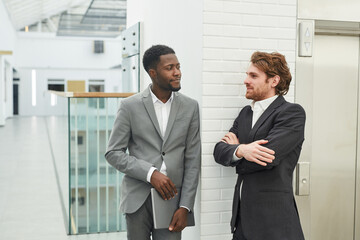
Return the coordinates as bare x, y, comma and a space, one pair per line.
27, 12
102, 18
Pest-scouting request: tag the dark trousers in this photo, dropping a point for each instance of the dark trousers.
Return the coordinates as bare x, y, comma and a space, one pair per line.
238, 234
140, 225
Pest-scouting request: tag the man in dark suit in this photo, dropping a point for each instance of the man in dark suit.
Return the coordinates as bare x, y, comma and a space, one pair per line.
161, 129
264, 145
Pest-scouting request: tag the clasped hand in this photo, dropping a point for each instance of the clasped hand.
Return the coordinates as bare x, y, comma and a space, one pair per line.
163, 185
252, 152
167, 190
179, 220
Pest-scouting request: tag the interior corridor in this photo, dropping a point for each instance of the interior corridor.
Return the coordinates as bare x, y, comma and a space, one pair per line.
30, 206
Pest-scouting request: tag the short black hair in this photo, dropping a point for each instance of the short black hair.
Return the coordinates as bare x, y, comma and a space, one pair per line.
152, 56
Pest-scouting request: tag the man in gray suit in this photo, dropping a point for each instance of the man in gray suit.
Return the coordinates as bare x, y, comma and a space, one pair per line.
160, 128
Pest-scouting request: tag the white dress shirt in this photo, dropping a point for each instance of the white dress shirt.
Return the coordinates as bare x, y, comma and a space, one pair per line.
162, 111
258, 108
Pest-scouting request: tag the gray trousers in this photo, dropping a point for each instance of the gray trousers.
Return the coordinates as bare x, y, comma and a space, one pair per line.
140, 225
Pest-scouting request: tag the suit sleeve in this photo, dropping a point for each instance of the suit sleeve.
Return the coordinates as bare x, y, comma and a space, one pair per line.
118, 143
286, 135
192, 161
223, 152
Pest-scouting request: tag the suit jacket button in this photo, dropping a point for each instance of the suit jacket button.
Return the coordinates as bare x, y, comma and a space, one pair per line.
163, 153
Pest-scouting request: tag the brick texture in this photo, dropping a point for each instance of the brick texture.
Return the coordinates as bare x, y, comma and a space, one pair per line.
232, 31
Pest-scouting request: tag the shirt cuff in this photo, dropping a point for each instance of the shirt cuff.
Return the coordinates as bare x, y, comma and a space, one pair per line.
235, 158
150, 172
185, 208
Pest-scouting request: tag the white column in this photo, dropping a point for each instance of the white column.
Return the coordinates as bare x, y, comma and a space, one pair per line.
2, 89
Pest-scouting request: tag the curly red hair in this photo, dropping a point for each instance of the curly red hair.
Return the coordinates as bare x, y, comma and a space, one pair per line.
273, 64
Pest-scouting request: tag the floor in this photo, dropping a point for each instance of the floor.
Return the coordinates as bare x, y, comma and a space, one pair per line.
29, 198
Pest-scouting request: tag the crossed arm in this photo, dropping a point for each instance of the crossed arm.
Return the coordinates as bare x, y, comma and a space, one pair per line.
252, 152
286, 134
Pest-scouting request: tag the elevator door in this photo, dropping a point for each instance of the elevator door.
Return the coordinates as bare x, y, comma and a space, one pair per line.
334, 137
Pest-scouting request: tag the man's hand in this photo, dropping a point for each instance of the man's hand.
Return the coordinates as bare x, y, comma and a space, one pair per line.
230, 138
254, 152
163, 185
179, 220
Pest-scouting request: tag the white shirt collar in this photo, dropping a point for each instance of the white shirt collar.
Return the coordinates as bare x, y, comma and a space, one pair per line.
155, 99
263, 104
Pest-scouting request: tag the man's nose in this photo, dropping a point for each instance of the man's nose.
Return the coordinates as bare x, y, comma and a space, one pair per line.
246, 80
177, 72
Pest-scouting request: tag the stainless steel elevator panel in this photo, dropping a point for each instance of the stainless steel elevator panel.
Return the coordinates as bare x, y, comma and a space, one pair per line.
302, 187
328, 88
334, 136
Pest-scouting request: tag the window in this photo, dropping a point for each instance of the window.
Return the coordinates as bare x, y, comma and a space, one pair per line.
55, 85
96, 85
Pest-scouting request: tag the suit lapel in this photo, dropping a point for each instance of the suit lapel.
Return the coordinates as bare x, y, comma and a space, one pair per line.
277, 102
248, 120
244, 125
175, 106
149, 106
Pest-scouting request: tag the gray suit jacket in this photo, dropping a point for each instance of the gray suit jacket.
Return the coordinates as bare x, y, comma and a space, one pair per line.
136, 128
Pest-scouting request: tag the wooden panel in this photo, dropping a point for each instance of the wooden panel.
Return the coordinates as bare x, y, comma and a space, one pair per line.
101, 94
6, 52
92, 94
76, 85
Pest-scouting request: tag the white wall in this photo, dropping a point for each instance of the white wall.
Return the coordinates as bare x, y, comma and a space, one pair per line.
177, 24
345, 10
68, 58
7, 32
45, 50
43, 106
233, 30
7, 43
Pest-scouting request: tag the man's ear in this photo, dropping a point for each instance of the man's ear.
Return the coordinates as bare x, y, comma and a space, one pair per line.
275, 80
152, 73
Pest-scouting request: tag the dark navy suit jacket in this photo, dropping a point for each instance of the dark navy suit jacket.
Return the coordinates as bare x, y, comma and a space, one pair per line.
267, 209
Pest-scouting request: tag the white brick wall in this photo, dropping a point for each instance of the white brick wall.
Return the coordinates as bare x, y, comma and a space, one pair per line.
232, 31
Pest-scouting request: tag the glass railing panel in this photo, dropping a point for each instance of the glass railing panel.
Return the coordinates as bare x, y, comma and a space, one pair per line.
94, 184
57, 127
